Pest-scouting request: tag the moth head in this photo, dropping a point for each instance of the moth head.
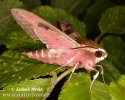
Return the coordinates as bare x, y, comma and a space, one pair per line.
100, 54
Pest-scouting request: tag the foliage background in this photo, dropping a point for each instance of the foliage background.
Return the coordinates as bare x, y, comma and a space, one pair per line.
93, 19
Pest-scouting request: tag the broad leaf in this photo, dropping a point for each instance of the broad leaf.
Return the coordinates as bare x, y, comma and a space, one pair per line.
21, 41
78, 89
113, 20
110, 72
73, 6
29, 90
117, 90
30, 4
93, 14
115, 47
7, 25
16, 67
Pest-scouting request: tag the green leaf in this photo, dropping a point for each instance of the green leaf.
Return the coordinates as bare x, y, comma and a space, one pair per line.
113, 20
21, 41
31, 4
30, 90
117, 90
93, 14
100, 91
73, 6
7, 25
15, 67
78, 89
110, 72
54, 14
115, 47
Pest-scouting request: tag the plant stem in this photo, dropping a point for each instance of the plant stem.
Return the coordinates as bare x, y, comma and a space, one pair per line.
99, 37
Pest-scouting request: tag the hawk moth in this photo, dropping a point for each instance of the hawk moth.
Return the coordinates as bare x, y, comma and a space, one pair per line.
64, 47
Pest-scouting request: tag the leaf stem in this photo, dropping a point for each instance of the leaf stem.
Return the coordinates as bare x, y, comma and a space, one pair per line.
99, 37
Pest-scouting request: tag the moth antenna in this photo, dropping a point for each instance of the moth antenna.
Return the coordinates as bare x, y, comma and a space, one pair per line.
94, 78
101, 72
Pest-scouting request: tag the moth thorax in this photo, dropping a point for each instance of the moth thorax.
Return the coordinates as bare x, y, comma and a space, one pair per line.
100, 54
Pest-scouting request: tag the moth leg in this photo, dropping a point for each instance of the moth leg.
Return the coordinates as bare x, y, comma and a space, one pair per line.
75, 67
70, 70
94, 78
101, 71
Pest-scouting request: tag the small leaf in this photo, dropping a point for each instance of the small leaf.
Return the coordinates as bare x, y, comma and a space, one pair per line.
115, 47
7, 25
113, 20
117, 90
30, 90
78, 89
93, 14
73, 6
15, 67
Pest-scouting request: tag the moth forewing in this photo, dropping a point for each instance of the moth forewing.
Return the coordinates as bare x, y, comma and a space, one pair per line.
36, 28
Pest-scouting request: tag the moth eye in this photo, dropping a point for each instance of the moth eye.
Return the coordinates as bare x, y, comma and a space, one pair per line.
98, 54
44, 26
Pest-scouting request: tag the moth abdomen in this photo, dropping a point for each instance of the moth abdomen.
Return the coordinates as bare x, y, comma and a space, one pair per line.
44, 55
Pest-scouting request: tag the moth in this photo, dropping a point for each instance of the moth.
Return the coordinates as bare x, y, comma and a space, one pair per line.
64, 47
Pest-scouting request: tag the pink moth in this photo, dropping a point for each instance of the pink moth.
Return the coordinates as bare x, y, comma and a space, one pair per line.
62, 49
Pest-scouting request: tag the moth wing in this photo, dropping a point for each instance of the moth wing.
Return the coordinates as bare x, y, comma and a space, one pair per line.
39, 29
69, 30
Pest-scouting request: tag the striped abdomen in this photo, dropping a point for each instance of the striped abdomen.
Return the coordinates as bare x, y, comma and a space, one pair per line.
48, 55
